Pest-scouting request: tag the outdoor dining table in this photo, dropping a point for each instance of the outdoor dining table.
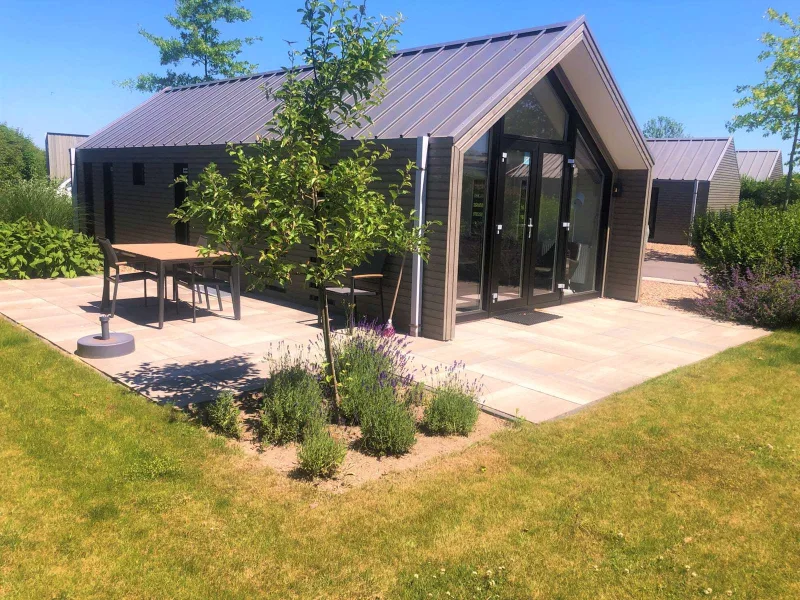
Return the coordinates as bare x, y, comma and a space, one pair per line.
170, 254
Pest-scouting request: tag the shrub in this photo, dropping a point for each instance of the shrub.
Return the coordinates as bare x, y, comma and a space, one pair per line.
41, 250
771, 192
292, 403
453, 407
365, 360
20, 158
764, 240
387, 427
222, 416
450, 412
755, 298
320, 455
36, 200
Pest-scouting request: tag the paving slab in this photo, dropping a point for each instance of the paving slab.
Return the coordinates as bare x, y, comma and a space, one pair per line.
583, 352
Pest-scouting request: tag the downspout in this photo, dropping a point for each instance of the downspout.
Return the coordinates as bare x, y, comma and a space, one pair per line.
420, 193
694, 209
73, 173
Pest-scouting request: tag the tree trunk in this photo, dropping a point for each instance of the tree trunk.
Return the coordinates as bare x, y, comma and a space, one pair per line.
791, 158
397, 287
326, 337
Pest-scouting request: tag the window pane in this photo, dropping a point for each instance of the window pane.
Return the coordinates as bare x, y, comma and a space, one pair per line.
473, 226
513, 234
539, 114
584, 233
547, 222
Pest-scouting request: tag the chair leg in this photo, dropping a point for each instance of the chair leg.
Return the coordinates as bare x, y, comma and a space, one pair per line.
114, 297
145, 291
219, 298
383, 310
208, 304
194, 303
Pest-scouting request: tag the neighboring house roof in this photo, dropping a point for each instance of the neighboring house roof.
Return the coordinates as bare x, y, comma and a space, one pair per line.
687, 159
758, 164
441, 90
56, 146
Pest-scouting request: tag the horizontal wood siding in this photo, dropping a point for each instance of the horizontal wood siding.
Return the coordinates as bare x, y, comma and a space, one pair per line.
777, 170
725, 184
626, 235
673, 211
141, 215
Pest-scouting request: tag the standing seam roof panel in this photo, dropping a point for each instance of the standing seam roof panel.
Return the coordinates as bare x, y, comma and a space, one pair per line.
430, 90
687, 159
757, 164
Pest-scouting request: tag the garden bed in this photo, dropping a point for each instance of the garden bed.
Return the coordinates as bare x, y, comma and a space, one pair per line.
358, 467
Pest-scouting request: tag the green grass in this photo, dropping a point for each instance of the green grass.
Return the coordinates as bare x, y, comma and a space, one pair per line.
102, 495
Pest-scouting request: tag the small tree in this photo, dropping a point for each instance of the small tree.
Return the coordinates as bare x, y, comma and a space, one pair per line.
663, 127
297, 186
198, 42
775, 102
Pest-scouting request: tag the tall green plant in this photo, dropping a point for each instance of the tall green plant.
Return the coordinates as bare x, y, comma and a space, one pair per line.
298, 186
20, 158
199, 43
775, 102
664, 127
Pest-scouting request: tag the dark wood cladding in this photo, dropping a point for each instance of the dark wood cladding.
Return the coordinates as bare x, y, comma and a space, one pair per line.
674, 209
626, 235
141, 215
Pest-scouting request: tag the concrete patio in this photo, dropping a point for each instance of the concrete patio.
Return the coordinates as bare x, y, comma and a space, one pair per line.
570, 356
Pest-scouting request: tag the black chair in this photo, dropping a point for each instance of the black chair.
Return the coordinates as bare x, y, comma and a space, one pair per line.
365, 280
112, 261
195, 276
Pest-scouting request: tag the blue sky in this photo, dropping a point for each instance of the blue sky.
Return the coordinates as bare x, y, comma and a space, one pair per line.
58, 59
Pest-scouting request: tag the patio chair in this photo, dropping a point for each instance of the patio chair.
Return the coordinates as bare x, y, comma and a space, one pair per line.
365, 280
195, 276
113, 262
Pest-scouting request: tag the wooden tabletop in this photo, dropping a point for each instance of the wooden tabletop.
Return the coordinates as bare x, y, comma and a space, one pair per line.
167, 252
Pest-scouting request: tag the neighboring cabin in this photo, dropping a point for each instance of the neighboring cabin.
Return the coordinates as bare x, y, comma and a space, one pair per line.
690, 176
760, 165
57, 153
529, 156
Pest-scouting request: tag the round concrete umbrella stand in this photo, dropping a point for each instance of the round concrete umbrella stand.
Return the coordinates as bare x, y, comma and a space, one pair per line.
105, 345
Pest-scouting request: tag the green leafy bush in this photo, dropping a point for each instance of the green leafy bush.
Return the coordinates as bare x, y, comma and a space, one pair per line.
222, 416
39, 250
451, 411
292, 403
320, 455
387, 426
771, 192
20, 158
763, 240
36, 200
366, 359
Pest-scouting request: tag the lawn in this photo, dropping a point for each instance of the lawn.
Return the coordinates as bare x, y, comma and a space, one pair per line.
686, 486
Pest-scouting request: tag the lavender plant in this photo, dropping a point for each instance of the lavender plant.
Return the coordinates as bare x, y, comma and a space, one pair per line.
453, 408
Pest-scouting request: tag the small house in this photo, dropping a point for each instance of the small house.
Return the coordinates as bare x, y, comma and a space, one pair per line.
760, 165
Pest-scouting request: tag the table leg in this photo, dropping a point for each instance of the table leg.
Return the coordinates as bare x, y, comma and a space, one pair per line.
236, 277
161, 292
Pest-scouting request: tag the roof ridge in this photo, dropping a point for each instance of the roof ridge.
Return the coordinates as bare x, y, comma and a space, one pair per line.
395, 54
691, 139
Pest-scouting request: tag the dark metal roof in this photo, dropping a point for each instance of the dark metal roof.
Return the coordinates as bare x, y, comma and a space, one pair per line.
438, 90
758, 164
687, 159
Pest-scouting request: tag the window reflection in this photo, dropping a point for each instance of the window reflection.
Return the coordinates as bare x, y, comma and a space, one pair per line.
473, 226
539, 114
584, 233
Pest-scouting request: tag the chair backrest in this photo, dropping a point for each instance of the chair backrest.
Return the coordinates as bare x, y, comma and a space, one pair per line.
372, 266
202, 240
109, 254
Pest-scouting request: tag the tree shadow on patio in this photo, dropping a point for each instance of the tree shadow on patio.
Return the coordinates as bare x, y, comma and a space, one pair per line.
195, 381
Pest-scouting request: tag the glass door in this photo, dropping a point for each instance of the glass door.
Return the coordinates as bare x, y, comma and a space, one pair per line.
527, 231
548, 239
512, 227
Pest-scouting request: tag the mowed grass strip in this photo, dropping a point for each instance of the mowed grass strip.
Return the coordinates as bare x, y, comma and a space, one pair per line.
688, 485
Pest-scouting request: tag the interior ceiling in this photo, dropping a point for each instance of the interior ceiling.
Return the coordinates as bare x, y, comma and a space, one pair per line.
603, 112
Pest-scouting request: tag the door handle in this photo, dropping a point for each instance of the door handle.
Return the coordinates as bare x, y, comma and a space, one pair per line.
530, 227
